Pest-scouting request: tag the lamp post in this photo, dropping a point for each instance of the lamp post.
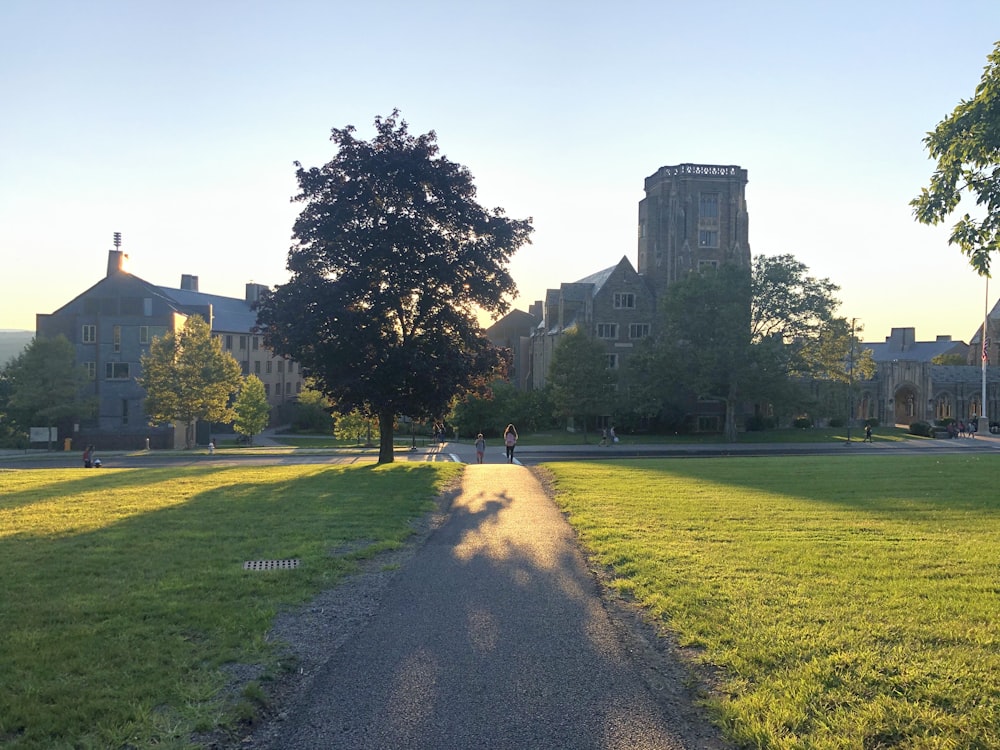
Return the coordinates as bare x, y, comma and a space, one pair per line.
850, 383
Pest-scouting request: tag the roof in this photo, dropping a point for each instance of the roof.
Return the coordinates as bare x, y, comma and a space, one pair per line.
901, 344
228, 313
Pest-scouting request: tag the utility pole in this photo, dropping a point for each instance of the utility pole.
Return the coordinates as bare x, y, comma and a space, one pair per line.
850, 384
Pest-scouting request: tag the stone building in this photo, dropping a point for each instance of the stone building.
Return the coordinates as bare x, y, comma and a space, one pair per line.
693, 216
111, 325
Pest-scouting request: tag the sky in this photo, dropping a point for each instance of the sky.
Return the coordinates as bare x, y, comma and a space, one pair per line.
178, 124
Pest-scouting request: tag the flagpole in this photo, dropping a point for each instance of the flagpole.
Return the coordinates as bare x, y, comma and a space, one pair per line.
986, 343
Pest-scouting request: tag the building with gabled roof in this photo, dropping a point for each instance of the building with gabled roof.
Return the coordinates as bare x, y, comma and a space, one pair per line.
111, 326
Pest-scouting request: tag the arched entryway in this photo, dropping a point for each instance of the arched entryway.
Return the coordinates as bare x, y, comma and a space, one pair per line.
906, 405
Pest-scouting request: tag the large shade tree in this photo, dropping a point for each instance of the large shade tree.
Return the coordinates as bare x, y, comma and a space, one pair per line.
734, 334
189, 377
46, 384
966, 147
581, 382
392, 258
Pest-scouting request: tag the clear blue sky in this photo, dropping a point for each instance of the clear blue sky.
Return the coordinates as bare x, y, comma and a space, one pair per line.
177, 124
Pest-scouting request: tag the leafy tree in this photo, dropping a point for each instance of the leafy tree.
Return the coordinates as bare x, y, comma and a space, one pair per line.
251, 408
187, 376
582, 385
46, 385
392, 259
966, 145
705, 337
838, 356
354, 425
312, 412
949, 359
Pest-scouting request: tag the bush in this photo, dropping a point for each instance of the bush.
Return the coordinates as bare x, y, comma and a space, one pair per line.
758, 423
921, 428
836, 422
802, 423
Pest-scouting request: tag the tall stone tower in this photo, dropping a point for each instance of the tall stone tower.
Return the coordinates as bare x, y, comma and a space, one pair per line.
693, 216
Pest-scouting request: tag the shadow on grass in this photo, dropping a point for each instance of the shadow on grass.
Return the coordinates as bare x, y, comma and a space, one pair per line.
113, 634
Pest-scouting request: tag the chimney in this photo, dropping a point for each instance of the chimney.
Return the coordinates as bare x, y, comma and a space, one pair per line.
116, 262
189, 283
254, 292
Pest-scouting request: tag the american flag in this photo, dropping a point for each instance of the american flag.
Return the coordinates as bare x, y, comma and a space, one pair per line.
986, 349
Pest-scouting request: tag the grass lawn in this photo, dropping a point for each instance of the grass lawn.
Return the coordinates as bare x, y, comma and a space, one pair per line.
562, 437
123, 593
841, 602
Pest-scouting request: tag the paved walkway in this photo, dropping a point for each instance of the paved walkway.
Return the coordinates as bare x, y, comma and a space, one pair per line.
493, 635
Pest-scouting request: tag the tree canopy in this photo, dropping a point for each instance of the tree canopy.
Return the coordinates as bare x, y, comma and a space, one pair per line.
966, 146
188, 377
46, 384
733, 335
392, 258
251, 408
581, 382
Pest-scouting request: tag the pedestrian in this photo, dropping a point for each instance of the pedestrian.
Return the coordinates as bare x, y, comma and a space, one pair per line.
604, 436
868, 434
86, 457
94, 460
509, 441
612, 435
211, 447
480, 447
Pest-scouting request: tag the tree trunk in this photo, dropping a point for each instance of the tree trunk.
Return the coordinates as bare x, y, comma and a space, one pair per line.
385, 422
730, 433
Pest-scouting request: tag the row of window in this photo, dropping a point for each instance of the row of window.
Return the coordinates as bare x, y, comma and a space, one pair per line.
243, 341
88, 334
123, 371
610, 330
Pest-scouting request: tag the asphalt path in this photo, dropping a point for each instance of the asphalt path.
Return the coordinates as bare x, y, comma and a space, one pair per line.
494, 635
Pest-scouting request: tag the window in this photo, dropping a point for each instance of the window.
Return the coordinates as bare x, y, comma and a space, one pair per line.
147, 306
288, 387
291, 367
243, 343
624, 300
143, 334
117, 334
245, 367
708, 238
638, 330
612, 361
116, 370
267, 388
91, 368
607, 330
256, 343
298, 387
267, 367
704, 265
256, 367
708, 207
281, 365
229, 341
89, 334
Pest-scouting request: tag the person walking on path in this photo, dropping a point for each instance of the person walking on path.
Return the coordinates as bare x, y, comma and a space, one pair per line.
509, 441
480, 447
868, 434
492, 635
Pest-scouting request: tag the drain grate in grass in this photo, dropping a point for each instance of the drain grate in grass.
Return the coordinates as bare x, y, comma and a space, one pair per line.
270, 564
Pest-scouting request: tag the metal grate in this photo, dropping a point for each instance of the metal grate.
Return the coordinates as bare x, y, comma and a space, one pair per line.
270, 564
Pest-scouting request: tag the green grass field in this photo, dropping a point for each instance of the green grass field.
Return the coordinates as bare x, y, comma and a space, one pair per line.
835, 602
831, 602
123, 593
